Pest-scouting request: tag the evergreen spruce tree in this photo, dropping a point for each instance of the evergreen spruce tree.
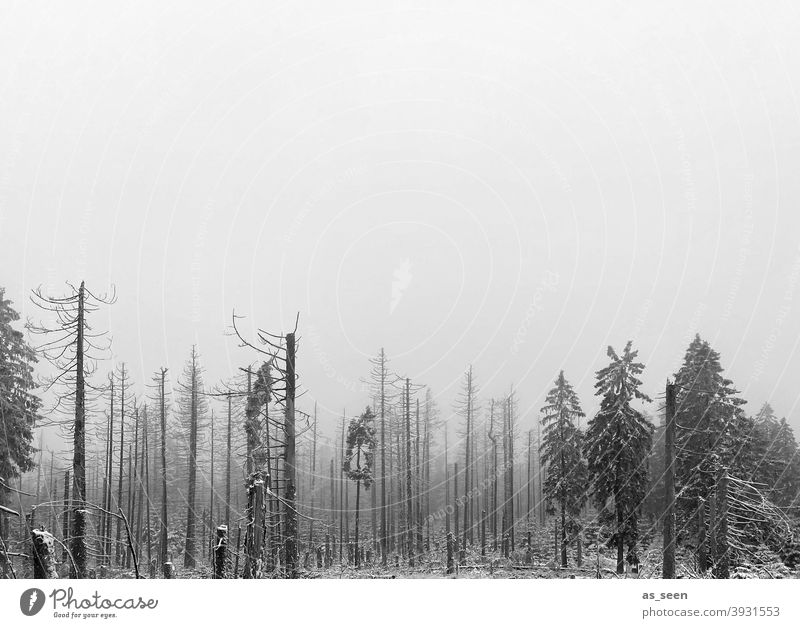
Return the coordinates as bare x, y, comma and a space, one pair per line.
359, 461
774, 457
19, 406
711, 430
618, 441
561, 453
786, 490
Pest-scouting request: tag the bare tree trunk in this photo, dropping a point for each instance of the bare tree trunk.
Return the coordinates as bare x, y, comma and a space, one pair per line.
446, 487
118, 536
254, 556
563, 535
212, 556
450, 550
358, 505
409, 492
528, 490
427, 453
620, 537
332, 525
384, 530
220, 552
135, 479
228, 470
540, 472
65, 522
468, 465
341, 495
668, 568
506, 482
191, 515
50, 498
44, 563
493, 438
722, 564
127, 552
291, 513
146, 467
78, 531
418, 472
511, 518
106, 525
702, 537
163, 541
313, 479
455, 506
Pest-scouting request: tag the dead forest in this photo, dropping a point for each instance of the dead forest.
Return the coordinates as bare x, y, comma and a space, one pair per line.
179, 477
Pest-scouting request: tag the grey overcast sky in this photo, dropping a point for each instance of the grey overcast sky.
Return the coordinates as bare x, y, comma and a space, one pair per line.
514, 185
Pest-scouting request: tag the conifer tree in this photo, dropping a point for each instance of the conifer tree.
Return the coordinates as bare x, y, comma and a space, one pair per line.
773, 457
358, 460
710, 429
19, 406
618, 441
561, 452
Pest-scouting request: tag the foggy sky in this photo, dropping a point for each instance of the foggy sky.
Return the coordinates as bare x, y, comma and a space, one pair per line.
514, 185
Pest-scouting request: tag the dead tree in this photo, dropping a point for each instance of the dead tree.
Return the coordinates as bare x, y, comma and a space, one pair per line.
409, 490
456, 502
341, 493
259, 478
450, 552
668, 564
211, 496
281, 350
71, 347
380, 379
290, 548
124, 385
313, 479
429, 411
193, 406
106, 519
220, 552
44, 562
446, 486
163, 537
133, 469
65, 527
418, 483
228, 468
722, 563
493, 438
466, 406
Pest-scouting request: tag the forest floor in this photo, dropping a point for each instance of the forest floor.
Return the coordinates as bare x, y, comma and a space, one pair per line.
539, 563
493, 565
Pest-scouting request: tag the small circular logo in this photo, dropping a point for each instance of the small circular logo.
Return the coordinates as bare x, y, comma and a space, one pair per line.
31, 601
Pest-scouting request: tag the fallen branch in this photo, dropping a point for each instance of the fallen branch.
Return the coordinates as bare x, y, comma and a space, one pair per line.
9, 511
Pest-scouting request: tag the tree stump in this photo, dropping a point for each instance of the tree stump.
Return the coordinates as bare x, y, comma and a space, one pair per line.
43, 555
169, 570
450, 552
220, 551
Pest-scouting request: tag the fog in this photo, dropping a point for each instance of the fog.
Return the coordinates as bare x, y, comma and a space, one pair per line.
512, 185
